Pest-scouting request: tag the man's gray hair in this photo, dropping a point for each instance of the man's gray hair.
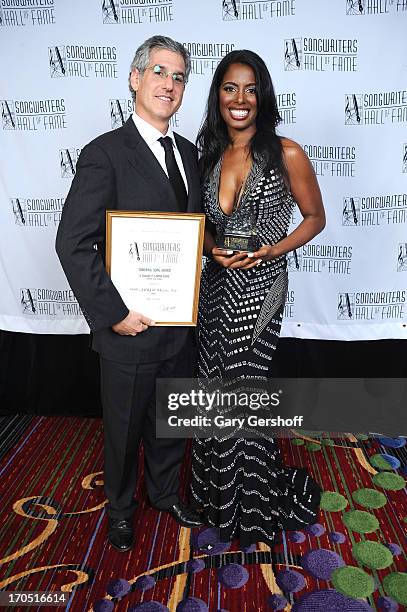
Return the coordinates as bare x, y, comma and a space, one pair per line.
141, 59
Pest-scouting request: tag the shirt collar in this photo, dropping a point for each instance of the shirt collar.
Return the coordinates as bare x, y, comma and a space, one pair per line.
149, 133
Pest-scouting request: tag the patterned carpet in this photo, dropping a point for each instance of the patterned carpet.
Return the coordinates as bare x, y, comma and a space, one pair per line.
52, 532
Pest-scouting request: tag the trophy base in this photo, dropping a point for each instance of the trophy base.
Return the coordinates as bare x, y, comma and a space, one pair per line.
238, 242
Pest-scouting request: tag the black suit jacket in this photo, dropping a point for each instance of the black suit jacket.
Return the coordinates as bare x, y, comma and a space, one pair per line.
117, 170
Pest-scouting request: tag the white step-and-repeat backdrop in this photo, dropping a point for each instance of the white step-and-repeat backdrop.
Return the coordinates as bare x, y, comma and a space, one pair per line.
340, 71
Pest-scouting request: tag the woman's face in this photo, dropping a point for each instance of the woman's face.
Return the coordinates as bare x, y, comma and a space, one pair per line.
237, 97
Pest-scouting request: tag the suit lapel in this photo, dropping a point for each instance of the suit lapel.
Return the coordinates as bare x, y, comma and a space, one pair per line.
144, 161
191, 173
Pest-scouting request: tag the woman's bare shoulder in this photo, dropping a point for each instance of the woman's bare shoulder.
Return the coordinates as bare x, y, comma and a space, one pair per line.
292, 150
295, 157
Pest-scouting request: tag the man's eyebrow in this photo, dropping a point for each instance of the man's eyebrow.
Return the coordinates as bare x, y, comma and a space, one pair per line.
166, 69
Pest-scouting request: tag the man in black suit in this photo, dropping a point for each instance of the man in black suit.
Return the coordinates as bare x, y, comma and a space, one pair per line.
133, 168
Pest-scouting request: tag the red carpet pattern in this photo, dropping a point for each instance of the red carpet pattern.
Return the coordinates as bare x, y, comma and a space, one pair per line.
52, 531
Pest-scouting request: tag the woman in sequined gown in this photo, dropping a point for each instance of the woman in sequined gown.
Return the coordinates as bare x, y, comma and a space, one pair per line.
240, 483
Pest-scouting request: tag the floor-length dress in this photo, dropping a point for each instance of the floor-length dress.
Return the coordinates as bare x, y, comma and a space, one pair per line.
240, 483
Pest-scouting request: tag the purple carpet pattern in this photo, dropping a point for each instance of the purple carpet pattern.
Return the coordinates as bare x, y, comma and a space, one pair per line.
53, 524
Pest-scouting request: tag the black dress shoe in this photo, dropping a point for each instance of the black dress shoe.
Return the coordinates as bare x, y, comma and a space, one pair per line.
184, 515
120, 534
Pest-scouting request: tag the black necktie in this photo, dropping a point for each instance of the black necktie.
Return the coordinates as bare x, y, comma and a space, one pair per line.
174, 174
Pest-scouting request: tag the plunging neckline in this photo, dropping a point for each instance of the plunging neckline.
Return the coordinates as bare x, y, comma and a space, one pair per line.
241, 193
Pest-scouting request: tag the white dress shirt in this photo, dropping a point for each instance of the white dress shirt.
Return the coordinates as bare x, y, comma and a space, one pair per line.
151, 135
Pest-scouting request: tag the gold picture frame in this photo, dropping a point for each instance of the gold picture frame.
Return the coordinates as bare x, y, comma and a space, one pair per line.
155, 261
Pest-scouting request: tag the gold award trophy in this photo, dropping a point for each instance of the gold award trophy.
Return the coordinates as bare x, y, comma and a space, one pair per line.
239, 233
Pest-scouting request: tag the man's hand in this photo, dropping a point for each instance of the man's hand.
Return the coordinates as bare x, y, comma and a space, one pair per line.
133, 324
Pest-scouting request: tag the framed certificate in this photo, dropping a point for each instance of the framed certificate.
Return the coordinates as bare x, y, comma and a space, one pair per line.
154, 260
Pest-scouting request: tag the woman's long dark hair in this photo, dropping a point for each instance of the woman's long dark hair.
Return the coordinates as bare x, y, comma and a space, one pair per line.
213, 136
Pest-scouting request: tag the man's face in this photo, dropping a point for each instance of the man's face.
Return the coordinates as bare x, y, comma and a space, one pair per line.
157, 97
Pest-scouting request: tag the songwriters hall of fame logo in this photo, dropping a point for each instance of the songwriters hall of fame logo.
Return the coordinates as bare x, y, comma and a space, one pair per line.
335, 161
353, 109
246, 10
130, 11
375, 210
67, 161
376, 108
294, 260
37, 212
49, 302
293, 54
15, 13
402, 257
57, 61
205, 56
83, 61
19, 211
374, 7
8, 116
110, 11
321, 54
230, 10
120, 111
355, 7
372, 305
351, 211
321, 258
404, 166
28, 301
346, 306
33, 115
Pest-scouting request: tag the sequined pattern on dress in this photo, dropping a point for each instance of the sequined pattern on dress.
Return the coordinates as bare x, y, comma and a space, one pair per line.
239, 482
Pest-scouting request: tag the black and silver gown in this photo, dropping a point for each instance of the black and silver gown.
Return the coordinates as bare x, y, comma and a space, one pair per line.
240, 483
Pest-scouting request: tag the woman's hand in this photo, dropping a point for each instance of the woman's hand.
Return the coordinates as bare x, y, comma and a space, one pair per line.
242, 259
265, 253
